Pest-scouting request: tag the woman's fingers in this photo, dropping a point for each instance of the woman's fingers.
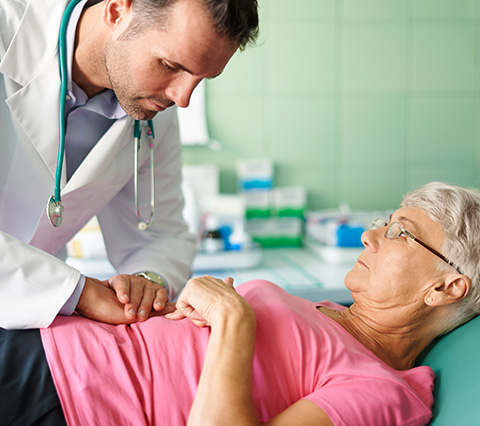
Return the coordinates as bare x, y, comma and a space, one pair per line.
229, 281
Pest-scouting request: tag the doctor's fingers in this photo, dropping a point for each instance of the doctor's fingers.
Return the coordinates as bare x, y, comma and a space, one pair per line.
168, 309
99, 302
121, 286
154, 296
138, 295
144, 295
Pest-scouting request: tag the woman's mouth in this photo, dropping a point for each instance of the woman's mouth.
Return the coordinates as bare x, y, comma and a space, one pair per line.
362, 263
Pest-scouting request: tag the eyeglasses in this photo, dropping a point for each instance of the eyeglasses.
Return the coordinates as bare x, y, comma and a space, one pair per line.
396, 229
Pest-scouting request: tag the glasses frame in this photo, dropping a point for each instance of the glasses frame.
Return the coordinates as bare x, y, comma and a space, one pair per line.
408, 234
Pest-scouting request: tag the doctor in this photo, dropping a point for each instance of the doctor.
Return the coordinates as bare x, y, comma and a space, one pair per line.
127, 59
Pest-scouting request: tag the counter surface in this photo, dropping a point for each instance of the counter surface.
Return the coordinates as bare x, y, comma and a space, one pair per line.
298, 270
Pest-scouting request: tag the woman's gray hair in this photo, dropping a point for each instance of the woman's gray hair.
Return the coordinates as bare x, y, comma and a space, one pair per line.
457, 211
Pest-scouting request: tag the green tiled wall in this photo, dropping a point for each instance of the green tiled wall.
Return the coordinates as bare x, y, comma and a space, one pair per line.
357, 100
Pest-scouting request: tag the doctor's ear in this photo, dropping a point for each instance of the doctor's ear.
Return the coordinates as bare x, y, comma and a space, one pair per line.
453, 289
117, 13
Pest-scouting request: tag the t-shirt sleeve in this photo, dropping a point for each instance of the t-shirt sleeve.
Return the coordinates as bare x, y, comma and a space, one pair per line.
370, 401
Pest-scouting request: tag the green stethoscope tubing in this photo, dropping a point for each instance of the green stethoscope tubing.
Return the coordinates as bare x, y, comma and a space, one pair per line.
54, 205
62, 57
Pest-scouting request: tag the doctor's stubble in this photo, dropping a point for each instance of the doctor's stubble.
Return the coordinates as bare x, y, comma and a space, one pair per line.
119, 72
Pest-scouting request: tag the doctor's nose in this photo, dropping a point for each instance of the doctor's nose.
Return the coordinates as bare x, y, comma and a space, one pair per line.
181, 91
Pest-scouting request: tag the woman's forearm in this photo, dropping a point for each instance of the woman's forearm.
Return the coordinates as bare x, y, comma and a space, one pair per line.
224, 395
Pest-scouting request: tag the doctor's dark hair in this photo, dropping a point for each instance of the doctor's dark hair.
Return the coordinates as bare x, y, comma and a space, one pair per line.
457, 211
236, 20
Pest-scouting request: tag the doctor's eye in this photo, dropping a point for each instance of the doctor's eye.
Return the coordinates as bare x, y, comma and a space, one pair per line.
167, 66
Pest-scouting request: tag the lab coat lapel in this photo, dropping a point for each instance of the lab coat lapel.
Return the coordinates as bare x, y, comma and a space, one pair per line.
31, 65
36, 72
95, 168
40, 129
107, 168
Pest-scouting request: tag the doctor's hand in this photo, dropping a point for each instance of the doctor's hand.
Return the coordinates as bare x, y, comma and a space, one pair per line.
139, 296
100, 302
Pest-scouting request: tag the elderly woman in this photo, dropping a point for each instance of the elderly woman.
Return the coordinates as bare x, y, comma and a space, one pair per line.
256, 354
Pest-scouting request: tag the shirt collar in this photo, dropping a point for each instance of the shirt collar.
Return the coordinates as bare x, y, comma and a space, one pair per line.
104, 103
70, 41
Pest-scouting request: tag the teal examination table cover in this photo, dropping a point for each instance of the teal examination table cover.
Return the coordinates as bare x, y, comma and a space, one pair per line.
455, 359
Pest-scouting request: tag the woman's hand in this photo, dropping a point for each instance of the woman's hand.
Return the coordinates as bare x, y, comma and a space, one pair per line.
206, 300
224, 394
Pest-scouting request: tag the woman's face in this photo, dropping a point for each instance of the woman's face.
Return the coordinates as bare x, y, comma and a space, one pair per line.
397, 272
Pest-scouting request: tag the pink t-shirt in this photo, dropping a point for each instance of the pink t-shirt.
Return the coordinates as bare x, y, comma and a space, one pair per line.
147, 373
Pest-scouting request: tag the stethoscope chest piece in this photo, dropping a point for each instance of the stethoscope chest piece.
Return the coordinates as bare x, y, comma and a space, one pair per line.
55, 212
142, 225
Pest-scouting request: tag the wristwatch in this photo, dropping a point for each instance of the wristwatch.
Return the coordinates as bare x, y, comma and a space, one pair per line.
151, 276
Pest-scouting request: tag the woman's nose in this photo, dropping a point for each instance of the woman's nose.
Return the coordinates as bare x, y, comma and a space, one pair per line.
370, 239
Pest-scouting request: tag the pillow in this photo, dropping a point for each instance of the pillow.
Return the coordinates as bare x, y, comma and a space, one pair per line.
455, 361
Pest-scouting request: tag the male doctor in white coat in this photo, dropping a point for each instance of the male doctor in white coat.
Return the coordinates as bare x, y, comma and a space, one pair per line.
127, 59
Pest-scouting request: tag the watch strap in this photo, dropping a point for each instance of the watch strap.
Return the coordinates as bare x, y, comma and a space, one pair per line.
151, 276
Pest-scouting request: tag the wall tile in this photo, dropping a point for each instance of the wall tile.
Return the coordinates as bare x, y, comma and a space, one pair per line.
374, 56
238, 124
373, 130
477, 133
301, 130
442, 130
289, 10
476, 178
264, 11
444, 56
358, 100
243, 75
375, 9
460, 175
319, 182
301, 58
372, 188
444, 9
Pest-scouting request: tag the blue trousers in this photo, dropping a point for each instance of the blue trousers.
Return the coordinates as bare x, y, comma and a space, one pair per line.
27, 393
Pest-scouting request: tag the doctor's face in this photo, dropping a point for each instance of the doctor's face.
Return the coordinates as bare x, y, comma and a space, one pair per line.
160, 67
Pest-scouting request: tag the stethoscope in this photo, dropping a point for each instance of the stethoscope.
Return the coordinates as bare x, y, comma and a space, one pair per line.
55, 209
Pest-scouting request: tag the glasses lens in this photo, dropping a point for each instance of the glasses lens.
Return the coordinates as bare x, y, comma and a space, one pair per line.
394, 230
379, 223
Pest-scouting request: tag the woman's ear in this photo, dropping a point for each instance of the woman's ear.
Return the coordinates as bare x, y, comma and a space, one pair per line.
454, 288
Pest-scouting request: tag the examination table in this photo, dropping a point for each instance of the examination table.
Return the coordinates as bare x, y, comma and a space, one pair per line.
455, 361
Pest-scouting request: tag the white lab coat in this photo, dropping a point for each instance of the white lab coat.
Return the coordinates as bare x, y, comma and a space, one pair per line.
34, 283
